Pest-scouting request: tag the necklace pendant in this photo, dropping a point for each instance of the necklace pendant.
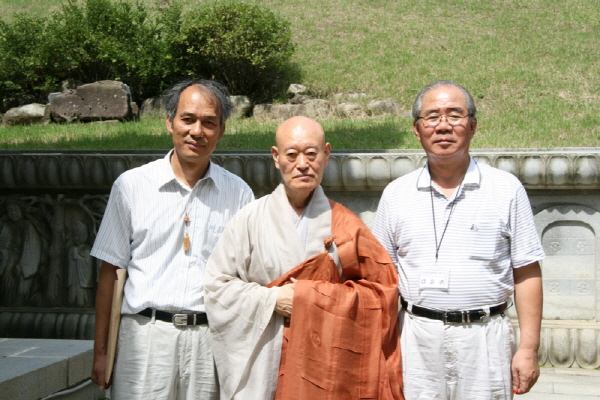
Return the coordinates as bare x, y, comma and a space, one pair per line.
186, 218
186, 242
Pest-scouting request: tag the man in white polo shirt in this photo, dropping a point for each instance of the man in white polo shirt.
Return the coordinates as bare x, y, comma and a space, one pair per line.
161, 224
463, 239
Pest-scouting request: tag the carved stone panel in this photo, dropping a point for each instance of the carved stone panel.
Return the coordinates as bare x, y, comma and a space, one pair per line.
570, 272
45, 244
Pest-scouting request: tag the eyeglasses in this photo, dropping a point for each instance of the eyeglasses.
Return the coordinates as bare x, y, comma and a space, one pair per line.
434, 120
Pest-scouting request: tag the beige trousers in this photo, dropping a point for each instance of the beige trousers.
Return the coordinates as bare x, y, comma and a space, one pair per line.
156, 360
456, 362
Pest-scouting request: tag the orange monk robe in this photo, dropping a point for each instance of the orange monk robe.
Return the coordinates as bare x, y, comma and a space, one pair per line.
343, 339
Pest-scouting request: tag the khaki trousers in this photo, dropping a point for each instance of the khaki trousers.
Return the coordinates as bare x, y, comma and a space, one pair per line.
157, 360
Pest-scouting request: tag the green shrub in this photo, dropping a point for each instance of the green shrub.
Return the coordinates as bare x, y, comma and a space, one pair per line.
245, 46
90, 41
118, 40
23, 69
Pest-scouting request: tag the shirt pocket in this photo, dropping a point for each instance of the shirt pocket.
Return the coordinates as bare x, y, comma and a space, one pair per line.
489, 239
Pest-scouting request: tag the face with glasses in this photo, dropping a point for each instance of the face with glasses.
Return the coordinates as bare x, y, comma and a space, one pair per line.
444, 127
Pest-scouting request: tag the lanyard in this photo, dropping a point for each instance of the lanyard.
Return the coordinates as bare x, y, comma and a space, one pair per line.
438, 245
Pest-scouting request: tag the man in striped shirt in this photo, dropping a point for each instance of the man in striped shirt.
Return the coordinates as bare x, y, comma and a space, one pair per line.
161, 224
463, 240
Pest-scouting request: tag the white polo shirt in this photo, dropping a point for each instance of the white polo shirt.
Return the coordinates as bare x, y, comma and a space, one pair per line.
143, 229
489, 230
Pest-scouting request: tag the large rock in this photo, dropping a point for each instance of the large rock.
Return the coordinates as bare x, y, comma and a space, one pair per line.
296, 88
299, 99
103, 100
25, 115
152, 107
241, 106
278, 111
349, 97
318, 109
382, 107
350, 110
313, 108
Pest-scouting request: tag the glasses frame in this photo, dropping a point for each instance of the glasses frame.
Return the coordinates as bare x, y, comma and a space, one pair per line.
440, 121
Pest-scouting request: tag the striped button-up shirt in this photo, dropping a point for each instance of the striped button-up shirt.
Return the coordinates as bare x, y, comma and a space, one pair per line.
143, 231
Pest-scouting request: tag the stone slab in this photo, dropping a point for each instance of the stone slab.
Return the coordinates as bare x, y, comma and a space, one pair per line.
565, 384
35, 368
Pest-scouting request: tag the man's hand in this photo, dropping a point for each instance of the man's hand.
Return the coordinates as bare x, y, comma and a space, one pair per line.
528, 300
98, 372
285, 299
525, 370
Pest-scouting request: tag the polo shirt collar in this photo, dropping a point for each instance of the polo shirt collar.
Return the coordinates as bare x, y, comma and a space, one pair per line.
472, 177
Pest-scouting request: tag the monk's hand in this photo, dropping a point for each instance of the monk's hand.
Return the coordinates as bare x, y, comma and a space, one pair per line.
285, 299
525, 370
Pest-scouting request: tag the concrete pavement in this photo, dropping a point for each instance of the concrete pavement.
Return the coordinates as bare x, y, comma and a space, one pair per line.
565, 384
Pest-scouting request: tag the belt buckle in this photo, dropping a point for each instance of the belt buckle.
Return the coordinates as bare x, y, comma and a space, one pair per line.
180, 319
484, 317
465, 318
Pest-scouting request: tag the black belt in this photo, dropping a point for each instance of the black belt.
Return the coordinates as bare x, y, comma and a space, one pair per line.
454, 317
176, 319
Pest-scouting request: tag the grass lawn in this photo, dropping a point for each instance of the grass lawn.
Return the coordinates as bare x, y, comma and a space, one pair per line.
532, 67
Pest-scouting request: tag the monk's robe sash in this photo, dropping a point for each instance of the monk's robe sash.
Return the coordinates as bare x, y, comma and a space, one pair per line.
342, 341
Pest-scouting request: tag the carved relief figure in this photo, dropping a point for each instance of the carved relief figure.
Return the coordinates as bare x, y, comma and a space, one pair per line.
80, 268
24, 247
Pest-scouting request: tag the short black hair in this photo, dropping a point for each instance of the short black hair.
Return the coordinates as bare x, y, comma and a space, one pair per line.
216, 90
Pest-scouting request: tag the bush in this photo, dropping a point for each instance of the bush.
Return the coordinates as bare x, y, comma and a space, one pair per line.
245, 46
23, 69
92, 41
111, 40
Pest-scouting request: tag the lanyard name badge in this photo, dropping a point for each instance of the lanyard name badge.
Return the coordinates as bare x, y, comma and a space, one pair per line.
437, 277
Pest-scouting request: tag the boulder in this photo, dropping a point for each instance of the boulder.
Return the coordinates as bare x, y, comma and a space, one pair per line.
318, 109
278, 111
350, 110
98, 101
296, 88
241, 106
24, 115
343, 97
381, 107
299, 99
152, 107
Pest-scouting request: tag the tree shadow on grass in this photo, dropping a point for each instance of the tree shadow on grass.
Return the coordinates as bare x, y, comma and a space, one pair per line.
343, 136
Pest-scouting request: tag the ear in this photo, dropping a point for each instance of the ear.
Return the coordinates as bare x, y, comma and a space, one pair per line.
416, 130
275, 155
222, 132
169, 125
473, 126
327, 153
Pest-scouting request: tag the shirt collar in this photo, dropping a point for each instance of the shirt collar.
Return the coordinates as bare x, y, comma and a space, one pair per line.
166, 174
472, 177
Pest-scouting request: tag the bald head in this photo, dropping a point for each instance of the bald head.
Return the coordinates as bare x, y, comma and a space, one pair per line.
299, 127
301, 155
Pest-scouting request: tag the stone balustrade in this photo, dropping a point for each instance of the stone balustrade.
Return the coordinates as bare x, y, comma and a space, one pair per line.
348, 171
58, 199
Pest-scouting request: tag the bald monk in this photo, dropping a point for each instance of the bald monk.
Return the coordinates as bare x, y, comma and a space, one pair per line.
300, 296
